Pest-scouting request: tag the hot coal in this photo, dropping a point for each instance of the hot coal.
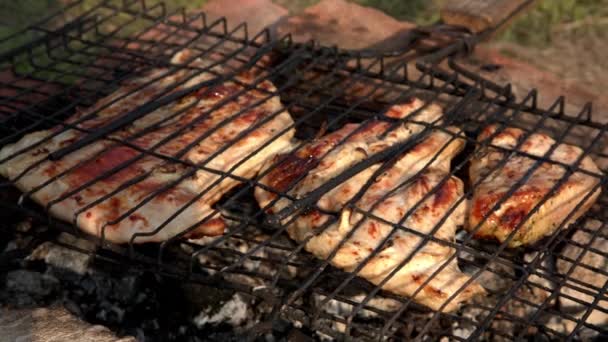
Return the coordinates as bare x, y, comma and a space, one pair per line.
135, 303
141, 303
25, 288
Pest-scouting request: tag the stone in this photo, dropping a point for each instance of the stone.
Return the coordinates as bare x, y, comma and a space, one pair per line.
258, 14
51, 324
347, 25
525, 76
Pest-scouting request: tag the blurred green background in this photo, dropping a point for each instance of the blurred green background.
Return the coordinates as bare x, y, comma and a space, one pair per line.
567, 37
548, 18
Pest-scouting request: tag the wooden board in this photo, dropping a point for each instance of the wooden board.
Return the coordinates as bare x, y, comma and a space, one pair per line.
479, 15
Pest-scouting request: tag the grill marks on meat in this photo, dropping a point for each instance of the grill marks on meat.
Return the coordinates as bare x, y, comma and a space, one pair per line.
127, 177
511, 217
399, 196
321, 160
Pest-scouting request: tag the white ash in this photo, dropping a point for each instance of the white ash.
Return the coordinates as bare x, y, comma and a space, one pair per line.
561, 327
531, 300
342, 309
472, 316
583, 277
264, 261
462, 331
63, 257
497, 274
560, 324
540, 282
498, 277
10, 246
495, 277
235, 312
228, 253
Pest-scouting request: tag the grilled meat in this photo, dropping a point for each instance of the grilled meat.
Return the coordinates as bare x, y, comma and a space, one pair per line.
113, 189
333, 153
525, 214
416, 192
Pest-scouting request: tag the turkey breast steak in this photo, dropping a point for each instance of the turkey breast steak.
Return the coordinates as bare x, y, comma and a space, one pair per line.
510, 217
416, 192
113, 190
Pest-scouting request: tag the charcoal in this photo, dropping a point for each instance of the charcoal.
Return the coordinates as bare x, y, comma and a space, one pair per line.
496, 277
281, 326
88, 286
323, 88
75, 308
541, 280
127, 302
152, 324
229, 251
297, 336
342, 309
110, 313
201, 296
63, 257
24, 288
129, 286
472, 317
582, 281
20, 242
233, 312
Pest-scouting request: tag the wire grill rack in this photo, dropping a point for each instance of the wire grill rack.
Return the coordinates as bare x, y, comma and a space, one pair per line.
79, 55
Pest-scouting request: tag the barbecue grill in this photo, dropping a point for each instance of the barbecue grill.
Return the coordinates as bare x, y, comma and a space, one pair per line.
63, 68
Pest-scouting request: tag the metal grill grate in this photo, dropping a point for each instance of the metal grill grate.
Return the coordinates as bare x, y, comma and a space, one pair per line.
90, 55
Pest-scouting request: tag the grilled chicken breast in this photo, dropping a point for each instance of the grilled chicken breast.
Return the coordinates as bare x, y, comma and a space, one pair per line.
333, 153
114, 190
416, 192
525, 215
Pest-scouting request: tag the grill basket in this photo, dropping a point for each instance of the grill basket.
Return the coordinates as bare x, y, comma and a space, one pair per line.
65, 67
